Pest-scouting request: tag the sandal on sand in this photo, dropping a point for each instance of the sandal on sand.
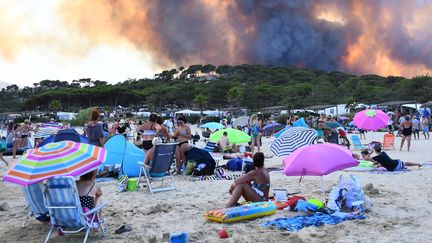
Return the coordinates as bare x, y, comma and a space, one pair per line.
123, 228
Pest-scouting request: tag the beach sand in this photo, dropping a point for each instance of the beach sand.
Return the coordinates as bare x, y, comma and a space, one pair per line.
401, 208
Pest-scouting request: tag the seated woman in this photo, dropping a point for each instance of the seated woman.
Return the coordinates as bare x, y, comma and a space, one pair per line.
89, 191
383, 160
254, 186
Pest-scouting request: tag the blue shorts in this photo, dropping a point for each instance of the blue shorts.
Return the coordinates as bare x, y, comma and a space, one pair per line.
400, 166
425, 128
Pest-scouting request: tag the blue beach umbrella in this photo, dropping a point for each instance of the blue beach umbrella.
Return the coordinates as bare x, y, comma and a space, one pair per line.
213, 125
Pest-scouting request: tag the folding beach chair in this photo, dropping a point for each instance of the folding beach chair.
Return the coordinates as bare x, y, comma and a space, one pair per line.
388, 141
159, 167
62, 200
34, 198
355, 139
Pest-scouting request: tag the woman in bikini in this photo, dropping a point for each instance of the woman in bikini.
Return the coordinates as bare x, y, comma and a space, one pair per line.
148, 131
254, 186
183, 135
89, 191
406, 130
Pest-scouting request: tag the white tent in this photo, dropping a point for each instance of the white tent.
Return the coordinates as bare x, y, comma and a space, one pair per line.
188, 112
211, 113
412, 106
141, 113
66, 116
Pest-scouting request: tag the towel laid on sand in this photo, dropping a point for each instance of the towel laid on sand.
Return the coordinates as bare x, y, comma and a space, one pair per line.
215, 178
299, 222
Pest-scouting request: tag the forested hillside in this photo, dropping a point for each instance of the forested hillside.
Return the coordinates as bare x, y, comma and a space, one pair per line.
207, 86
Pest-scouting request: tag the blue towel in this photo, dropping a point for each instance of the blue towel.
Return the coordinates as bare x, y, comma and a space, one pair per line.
300, 222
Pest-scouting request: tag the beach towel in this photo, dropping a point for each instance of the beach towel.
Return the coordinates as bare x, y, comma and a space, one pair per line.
387, 172
299, 222
215, 178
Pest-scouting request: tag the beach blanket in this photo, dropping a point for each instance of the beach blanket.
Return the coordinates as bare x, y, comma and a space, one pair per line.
299, 222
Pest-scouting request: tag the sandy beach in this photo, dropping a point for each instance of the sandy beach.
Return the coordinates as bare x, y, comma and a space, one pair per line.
401, 208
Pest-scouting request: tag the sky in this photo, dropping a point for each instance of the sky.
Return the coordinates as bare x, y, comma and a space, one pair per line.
46, 51
117, 40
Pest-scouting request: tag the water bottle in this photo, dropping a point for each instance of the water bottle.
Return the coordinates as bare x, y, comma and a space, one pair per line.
183, 169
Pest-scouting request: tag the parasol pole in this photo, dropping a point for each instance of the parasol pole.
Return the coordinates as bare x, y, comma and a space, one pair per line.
322, 189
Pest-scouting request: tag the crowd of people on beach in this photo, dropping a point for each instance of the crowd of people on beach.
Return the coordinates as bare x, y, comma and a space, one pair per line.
254, 185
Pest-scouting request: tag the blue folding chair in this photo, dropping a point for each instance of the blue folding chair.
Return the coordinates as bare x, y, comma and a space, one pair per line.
34, 198
62, 201
357, 143
159, 167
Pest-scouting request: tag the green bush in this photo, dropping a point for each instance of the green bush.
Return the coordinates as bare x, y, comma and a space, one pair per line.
212, 119
82, 117
194, 119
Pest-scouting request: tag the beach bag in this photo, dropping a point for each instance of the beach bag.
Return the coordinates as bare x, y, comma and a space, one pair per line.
354, 190
234, 164
336, 198
122, 183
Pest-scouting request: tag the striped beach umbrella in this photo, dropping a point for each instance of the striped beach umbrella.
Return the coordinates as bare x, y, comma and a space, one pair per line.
45, 132
64, 158
292, 139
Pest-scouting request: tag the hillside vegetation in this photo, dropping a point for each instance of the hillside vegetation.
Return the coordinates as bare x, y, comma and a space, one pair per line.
207, 86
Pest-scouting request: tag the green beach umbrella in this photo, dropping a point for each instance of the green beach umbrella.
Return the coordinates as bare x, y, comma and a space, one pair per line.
234, 136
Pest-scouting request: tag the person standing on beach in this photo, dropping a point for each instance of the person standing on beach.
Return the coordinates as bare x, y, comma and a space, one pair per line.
425, 127
149, 130
406, 129
390, 124
3, 147
255, 133
401, 120
183, 134
416, 129
94, 130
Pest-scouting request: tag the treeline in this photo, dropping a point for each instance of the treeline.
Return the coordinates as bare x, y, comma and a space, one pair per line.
208, 86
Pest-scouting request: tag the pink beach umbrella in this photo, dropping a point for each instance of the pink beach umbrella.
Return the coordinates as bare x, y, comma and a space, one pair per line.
318, 160
371, 119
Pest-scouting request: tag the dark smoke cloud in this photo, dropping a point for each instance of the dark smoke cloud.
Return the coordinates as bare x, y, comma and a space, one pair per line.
288, 33
273, 32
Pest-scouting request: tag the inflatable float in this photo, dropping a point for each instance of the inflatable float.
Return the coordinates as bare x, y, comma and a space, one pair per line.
244, 212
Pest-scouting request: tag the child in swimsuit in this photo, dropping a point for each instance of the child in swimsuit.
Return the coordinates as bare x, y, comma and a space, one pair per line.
254, 186
89, 191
